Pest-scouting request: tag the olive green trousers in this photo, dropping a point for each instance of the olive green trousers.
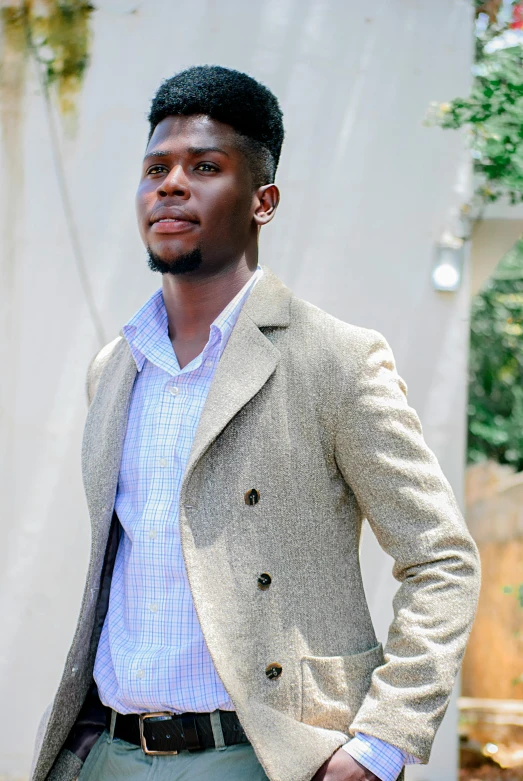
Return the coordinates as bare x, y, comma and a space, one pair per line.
116, 760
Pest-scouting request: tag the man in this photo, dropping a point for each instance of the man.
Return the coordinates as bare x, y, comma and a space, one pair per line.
236, 439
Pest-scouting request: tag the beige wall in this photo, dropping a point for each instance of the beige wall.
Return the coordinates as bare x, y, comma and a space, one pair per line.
493, 662
492, 238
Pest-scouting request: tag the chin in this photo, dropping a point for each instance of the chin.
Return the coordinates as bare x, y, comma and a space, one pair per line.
181, 263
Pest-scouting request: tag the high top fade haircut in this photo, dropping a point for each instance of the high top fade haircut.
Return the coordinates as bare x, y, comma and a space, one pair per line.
233, 98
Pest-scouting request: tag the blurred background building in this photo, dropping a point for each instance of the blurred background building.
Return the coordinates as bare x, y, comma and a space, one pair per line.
372, 201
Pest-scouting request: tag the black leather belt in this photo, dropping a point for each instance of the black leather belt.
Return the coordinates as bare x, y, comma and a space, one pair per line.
170, 733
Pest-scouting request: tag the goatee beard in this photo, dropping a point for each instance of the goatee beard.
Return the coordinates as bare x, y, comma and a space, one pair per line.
184, 264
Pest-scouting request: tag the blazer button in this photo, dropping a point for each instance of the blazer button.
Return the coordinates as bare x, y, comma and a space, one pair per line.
273, 670
264, 581
252, 497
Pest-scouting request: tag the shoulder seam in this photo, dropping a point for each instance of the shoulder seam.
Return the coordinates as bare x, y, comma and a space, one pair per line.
97, 366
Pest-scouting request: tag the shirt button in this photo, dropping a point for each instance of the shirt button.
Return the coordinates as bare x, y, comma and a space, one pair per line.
162, 462
152, 534
208, 363
140, 673
173, 390
153, 607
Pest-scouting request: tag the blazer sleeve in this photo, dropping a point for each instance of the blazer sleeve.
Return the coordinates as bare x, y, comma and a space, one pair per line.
410, 506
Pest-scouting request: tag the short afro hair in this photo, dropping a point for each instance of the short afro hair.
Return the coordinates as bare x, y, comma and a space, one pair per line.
233, 98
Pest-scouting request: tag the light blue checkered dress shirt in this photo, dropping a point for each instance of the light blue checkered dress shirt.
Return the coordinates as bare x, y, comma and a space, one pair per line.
152, 655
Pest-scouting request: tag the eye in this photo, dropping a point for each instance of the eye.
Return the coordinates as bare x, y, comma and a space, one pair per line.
207, 168
156, 169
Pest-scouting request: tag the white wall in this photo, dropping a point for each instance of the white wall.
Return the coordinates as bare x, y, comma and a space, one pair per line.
367, 191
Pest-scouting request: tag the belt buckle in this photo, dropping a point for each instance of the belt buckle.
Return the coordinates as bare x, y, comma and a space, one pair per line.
143, 742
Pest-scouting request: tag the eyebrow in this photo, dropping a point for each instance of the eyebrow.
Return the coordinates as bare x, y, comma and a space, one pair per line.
200, 150
192, 150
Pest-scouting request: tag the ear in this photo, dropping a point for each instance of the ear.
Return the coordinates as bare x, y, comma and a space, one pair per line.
266, 200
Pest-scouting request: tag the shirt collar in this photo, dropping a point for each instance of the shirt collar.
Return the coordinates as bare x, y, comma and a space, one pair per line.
147, 331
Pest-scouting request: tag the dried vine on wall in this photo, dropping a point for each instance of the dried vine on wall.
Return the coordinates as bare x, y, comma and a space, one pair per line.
57, 33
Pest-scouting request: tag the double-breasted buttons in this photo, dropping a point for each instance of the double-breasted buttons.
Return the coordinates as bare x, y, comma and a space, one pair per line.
252, 497
273, 670
264, 581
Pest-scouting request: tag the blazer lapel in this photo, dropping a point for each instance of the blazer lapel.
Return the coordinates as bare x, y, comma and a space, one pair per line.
247, 362
104, 436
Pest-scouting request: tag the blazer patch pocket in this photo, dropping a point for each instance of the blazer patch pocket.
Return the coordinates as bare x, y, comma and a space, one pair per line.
333, 687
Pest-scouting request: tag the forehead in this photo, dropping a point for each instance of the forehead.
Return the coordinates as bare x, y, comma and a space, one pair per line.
193, 131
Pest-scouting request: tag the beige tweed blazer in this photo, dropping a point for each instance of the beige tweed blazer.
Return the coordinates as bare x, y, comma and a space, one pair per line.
309, 412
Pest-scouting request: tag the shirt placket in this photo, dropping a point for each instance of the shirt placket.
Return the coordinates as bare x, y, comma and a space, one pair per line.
156, 539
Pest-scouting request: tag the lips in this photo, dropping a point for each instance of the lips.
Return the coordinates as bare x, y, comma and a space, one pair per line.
172, 220
172, 214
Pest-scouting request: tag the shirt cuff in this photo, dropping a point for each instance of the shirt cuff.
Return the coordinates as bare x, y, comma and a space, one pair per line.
382, 759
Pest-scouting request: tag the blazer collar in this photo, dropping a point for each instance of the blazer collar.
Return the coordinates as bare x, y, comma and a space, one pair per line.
269, 302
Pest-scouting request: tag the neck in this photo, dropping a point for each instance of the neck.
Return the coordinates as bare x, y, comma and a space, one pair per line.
193, 302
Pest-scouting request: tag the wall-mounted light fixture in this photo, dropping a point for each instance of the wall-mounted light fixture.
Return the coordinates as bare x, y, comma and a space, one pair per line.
448, 264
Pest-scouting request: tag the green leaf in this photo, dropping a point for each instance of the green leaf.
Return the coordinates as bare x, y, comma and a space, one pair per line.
495, 405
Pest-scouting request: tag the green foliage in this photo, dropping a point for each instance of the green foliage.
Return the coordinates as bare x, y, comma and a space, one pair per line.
495, 410
492, 113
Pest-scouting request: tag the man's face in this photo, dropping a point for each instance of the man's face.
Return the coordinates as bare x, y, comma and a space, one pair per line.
195, 202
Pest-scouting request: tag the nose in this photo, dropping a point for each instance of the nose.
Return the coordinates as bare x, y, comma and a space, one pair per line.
175, 183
